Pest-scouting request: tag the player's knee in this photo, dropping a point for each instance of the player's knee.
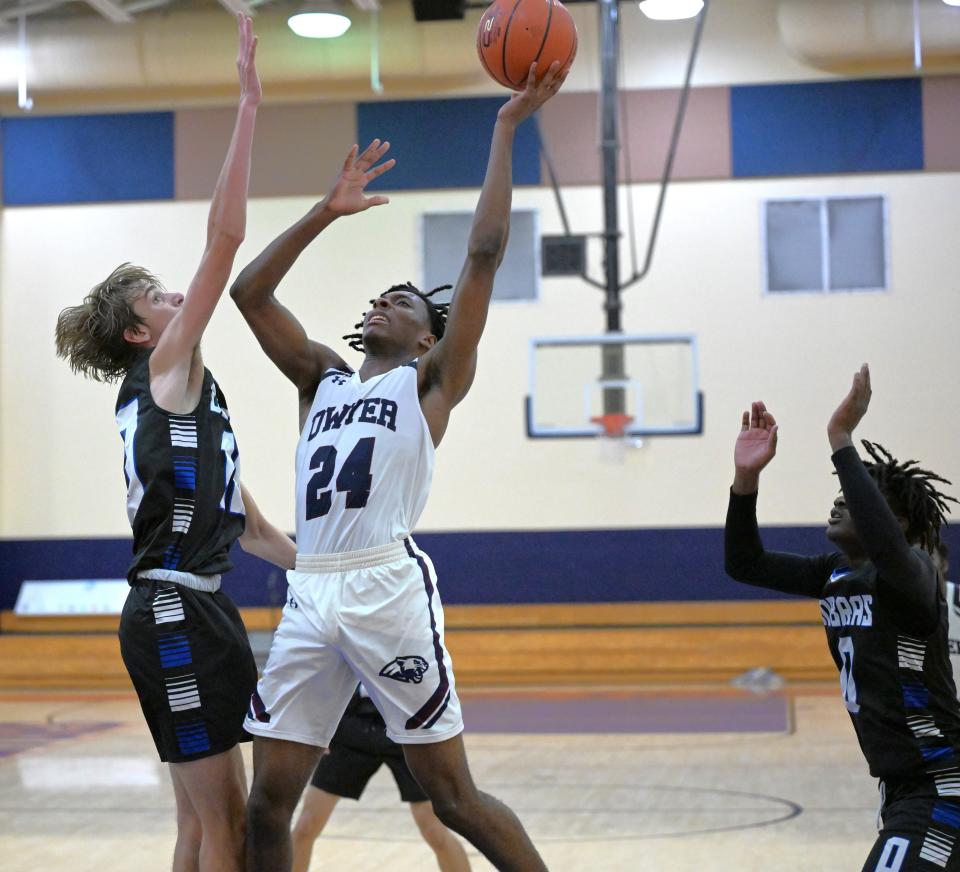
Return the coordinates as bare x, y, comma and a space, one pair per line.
189, 828
267, 809
456, 809
449, 812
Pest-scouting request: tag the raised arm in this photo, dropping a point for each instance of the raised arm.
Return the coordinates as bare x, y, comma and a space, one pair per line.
745, 558
278, 331
449, 367
171, 360
879, 530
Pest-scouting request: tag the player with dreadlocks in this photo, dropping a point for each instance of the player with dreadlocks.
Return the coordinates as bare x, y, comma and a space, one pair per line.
437, 312
363, 604
886, 622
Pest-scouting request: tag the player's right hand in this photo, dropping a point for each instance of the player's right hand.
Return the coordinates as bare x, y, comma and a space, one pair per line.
757, 443
524, 103
346, 197
250, 90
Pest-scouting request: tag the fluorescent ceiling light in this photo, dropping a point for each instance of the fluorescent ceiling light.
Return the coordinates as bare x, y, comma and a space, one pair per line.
672, 10
952, 2
319, 22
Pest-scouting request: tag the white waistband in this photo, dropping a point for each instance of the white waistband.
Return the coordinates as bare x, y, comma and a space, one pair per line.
348, 560
203, 583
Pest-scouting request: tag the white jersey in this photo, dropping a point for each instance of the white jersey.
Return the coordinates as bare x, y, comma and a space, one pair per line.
364, 462
953, 628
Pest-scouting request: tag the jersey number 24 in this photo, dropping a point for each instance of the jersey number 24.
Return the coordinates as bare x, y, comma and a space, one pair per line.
354, 477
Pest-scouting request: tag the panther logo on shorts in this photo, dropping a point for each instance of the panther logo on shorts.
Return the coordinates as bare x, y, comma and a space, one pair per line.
406, 669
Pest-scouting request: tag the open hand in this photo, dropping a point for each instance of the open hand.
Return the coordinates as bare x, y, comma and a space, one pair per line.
346, 197
851, 411
757, 443
246, 61
524, 103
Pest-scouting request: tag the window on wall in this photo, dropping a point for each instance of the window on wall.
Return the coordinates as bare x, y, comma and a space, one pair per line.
825, 244
445, 237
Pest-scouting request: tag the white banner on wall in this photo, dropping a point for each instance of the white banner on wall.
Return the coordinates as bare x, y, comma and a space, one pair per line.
75, 596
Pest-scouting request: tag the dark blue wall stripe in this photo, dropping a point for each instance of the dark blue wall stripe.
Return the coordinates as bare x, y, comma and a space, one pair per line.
443, 143
479, 568
87, 158
827, 127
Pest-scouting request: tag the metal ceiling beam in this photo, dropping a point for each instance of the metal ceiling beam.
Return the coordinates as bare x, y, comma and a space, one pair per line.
111, 11
13, 13
145, 5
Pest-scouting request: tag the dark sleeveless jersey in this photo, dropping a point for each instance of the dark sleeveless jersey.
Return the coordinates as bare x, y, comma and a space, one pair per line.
891, 650
183, 474
895, 679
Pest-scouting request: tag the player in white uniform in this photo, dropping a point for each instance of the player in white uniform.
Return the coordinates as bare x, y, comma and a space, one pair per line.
363, 601
952, 592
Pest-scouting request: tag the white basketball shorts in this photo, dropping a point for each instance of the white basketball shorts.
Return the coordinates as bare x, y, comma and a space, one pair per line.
371, 616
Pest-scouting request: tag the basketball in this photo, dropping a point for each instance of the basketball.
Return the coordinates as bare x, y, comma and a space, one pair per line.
514, 33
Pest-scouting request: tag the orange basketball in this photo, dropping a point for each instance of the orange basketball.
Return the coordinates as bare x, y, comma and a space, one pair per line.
515, 33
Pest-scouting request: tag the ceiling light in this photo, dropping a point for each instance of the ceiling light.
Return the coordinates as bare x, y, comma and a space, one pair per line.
952, 2
672, 10
319, 21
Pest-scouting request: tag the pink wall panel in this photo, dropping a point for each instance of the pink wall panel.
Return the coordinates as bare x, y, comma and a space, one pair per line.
297, 149
941, 122
570, 125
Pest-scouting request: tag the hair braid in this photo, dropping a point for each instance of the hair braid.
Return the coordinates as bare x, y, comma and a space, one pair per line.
911, 492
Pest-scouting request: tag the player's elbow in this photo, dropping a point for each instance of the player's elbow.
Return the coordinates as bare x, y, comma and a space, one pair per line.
243, 290
488, 248
240, 290
246, 542
226, 239
733, 571
252, 534
736, 567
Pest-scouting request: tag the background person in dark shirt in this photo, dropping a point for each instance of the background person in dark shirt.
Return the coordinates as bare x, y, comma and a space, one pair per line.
358, 749
886, 622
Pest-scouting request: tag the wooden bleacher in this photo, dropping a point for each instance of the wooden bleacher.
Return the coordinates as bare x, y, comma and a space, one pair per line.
551, 645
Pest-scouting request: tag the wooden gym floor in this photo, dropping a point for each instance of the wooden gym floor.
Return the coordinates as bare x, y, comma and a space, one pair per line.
638, 779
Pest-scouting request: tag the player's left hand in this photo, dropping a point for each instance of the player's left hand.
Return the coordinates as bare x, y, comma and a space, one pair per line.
524, 103
250, 91
851, 411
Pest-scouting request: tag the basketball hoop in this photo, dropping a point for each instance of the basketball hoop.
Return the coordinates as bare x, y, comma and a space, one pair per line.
614, 440
614, 424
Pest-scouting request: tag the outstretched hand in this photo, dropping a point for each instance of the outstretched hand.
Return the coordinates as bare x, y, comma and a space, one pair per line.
524, 103
250, 90
756, 447
850, 412
346, 197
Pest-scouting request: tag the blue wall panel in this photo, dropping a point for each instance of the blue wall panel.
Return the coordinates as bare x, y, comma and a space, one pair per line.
443, 143
479, 568
827, 127
87, 158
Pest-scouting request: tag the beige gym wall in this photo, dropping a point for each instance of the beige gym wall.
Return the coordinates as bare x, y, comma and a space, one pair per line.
60, 455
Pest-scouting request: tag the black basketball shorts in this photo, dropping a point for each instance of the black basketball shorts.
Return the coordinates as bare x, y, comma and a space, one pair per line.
190, 662
920, 831
358, 749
